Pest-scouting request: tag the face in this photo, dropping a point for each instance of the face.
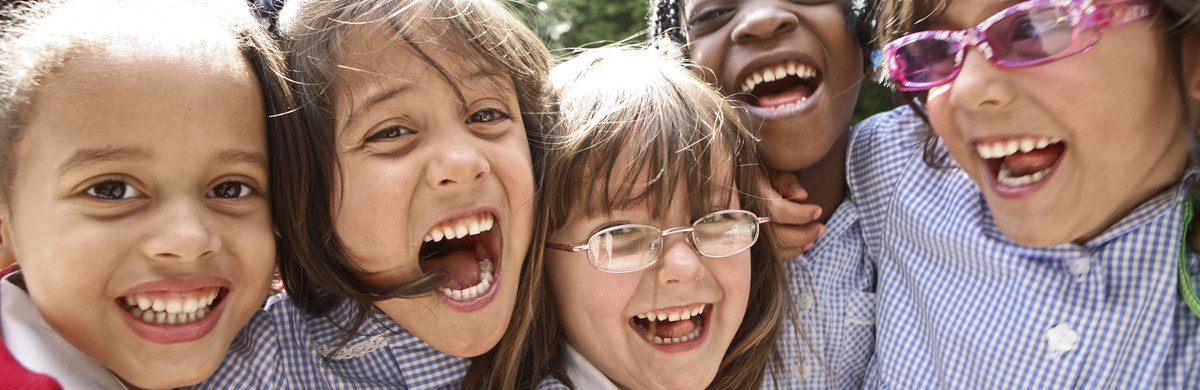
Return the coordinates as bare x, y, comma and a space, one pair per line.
139, 212
794, 64
431, 180
1089, 159
608, 317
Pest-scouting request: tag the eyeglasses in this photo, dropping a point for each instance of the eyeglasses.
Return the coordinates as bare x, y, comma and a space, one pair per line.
633, 247
1027, 34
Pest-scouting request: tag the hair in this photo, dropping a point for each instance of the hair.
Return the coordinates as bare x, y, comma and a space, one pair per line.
40, 38
680, 130
667, 27
316, 269
897, 18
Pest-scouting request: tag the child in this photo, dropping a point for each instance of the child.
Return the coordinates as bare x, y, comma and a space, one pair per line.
135, 196
410, 202
1047, 253
796, 67
642, 149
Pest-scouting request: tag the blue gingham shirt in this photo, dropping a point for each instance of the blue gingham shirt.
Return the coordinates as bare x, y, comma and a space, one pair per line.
283, 348
962, 306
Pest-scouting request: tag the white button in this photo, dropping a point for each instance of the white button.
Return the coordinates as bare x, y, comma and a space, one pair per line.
1079, 267
1061, 339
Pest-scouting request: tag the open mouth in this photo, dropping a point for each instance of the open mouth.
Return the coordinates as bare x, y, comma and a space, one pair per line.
1022, 161
780, 85
172, 307
671, 326
463, 249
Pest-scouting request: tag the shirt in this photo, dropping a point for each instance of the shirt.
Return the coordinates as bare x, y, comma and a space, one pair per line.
39, 349
959, 305
284, 348
583, 374
832, 286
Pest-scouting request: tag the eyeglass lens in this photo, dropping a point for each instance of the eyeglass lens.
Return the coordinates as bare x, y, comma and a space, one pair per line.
633, 247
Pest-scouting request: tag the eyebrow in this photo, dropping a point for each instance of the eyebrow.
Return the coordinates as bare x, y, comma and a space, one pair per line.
383, 94
244, 157
91, 156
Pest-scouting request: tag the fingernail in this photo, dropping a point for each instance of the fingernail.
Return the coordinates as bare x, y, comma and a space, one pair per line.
807, 247
821, 233
817, 214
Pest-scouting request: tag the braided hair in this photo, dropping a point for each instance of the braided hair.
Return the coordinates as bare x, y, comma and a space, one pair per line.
666, 26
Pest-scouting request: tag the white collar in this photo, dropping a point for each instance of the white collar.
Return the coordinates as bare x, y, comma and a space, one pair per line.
40, 349
583, 374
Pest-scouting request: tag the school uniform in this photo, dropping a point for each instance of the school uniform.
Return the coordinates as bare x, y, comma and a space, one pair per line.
959, 305
283, 348
583, 374
33, 355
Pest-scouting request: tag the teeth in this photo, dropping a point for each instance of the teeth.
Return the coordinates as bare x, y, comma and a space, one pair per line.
673, 340
776, 72
1006, 178
485, 281
460, 227
1005, 148
170, 308
674, 315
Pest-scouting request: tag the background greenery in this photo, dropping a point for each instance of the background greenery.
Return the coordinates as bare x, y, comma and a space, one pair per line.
565, 24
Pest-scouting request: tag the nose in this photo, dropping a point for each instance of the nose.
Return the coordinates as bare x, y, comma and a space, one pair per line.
679, 262
762, 22
980, 85
183, 232
455, 164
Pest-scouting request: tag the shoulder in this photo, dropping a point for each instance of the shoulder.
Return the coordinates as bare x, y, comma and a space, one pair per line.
17, 376
551, 383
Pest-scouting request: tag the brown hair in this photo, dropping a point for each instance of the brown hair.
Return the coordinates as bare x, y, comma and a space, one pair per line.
609, 100
316, 269
896, 18
39, 38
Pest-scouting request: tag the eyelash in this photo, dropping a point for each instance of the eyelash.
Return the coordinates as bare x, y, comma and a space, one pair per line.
244, 190
95, 190
708, 16
389, 133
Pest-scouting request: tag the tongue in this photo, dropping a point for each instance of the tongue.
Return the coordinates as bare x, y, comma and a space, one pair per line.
788, 96
461, 266
1027, 163
669, 329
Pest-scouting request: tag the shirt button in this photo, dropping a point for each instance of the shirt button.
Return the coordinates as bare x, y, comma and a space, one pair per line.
1061, 339
1079, 267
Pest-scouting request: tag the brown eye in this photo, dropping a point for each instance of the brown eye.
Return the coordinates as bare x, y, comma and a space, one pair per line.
230, 190
389, 133
113, 190
487, 115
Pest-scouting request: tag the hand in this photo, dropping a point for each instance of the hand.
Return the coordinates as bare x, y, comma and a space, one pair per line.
794, 222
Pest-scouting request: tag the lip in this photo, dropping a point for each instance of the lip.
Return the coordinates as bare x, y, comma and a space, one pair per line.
482, 300
170, 334
684, 346
1013, 192
777, 113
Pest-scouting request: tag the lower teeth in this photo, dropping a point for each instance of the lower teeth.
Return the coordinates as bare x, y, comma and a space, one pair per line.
1005, 177
486, 277
671, 340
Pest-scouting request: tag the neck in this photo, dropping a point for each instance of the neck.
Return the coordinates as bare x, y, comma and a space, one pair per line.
825, 181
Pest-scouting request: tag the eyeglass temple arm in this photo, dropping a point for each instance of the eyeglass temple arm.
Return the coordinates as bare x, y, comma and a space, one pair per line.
762, 220
568, 248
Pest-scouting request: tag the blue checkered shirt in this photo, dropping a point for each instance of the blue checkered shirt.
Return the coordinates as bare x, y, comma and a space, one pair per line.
833, 286
960, 306
282, 348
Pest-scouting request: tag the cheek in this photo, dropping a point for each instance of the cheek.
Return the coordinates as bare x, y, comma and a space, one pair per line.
733, 274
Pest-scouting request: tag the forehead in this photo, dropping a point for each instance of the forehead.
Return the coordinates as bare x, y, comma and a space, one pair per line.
964, 14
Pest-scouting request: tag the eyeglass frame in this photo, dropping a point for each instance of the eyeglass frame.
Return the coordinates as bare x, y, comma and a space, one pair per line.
663, 233
1085, 14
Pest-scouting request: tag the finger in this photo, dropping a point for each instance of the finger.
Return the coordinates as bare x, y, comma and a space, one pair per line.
785, 183
794, 240
792, 213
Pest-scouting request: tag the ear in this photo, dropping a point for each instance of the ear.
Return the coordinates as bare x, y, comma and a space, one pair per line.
1191, 60
6, 253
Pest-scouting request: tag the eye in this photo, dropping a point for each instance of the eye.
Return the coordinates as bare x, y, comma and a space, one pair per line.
230, 190
487, 115
389, 133
113, 190
707, 16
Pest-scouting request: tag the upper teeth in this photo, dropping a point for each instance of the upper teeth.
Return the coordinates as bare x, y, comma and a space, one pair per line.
673, 315
1004, 148
776, 72
460, 227
171, 307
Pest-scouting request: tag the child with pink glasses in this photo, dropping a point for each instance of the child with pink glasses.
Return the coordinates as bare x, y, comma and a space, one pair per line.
1051, 251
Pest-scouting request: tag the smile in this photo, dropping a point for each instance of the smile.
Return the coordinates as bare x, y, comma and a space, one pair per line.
463, 250
1021, 161
671, 326
783, 86
172, 308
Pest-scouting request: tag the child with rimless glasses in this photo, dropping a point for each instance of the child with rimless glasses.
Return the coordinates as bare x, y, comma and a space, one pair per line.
660, 272
1051, 251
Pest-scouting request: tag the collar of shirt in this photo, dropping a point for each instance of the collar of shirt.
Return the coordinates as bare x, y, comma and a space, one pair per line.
583, 374
40, 349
